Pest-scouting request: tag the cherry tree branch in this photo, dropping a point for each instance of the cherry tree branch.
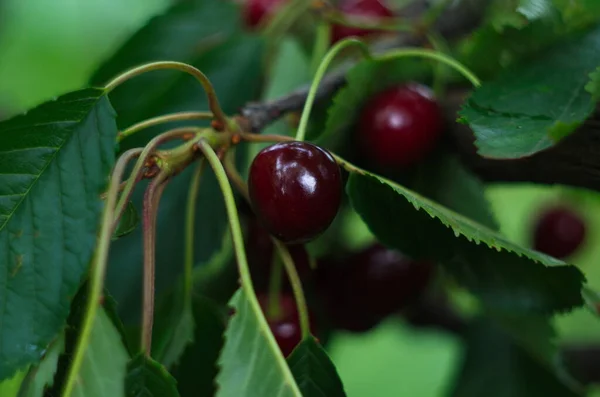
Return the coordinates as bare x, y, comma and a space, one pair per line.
458, 20
573, 162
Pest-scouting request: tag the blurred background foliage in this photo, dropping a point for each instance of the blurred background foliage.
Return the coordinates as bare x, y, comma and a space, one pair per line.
51, 47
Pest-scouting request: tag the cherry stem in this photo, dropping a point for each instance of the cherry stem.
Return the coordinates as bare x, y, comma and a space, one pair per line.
97, 272
149, 214
213, 101
292, 273
180, 116
138, 169
284, 18
430, 54
238, 245
275, 278
321, 45
190, 218
266, 138
283, 254
329, 57
235, 177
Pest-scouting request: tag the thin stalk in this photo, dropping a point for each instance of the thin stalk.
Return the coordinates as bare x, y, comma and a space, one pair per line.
190, 217
128, 155
285, 258
180, 116
213, 101
234, 177
430, 54
275, 284
149, 214
292, 273
266, 138
98, 271
138, 169
240, 253
329, 57
321, 45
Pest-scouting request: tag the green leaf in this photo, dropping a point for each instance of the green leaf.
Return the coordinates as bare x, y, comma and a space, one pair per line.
531, 107
11, 387
251, 362
593, 87
128, 222
445, 180
233, 63
183, 33
197, 369
53, 168
578, 11
147, 378
362, 81
497, 366
504, 275
519, 13
104, 365
313, 370
43, 374
174, 328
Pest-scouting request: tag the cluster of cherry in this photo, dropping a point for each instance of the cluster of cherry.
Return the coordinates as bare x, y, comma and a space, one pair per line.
296, 189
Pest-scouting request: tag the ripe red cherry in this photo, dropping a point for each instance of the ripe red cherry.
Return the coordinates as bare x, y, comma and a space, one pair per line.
559, 232
399, 126
361, 8
256, 10
370, 285
285, 326
295, 190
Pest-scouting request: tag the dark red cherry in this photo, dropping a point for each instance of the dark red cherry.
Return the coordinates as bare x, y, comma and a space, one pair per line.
285, 324
295, 190
559, 231
368, 286
257, 10
361, 8
399, 126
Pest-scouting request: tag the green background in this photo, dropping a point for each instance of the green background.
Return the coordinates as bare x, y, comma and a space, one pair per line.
51, 47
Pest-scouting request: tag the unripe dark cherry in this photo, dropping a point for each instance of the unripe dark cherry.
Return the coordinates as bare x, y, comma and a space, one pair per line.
295, 190
363, 8
399, 126
257, 10
559, 232
371, 285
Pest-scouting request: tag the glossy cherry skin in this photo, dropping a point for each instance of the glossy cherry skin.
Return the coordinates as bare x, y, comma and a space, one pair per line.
257, 10
399, 126
295, 190
363, 8
370, 285
559, 232
286, 327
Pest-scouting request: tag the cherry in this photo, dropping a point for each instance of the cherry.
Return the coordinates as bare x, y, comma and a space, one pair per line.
370, 285
399, 126
559, 232
295, 190
285, 326
362, 8
257, 10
